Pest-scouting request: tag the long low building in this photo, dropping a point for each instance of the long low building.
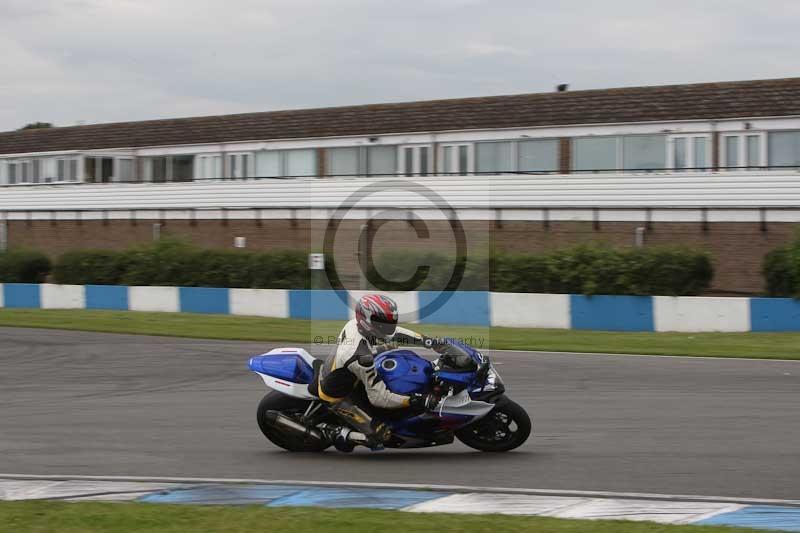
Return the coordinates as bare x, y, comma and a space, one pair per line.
712, 165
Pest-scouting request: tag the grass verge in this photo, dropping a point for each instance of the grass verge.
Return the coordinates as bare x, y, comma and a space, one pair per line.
227, 327
29, 517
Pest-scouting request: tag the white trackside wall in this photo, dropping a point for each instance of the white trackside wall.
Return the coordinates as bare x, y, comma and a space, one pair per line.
517, 310
693, 314
260, 302
163, 299
468, 308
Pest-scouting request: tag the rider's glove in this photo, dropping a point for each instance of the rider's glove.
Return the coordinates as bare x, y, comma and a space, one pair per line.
437, 345
385, 347
423, 401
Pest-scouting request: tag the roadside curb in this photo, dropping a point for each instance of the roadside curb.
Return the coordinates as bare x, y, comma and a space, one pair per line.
591, 505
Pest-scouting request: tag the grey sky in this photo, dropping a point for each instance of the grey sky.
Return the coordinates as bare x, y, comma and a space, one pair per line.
66, 61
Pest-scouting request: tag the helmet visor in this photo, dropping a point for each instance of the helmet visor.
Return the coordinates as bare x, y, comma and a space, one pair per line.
384, 328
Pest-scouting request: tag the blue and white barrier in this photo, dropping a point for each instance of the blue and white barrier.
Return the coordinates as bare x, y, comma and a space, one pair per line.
468, 308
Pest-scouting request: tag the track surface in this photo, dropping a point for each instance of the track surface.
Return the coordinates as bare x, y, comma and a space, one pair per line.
102, 404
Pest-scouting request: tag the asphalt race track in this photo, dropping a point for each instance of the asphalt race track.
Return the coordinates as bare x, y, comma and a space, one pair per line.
101, 404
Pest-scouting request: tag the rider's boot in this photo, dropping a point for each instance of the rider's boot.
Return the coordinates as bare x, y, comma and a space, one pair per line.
368, 432
343, 439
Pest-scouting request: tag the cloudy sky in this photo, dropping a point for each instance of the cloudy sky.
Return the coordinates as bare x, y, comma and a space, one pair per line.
71, 61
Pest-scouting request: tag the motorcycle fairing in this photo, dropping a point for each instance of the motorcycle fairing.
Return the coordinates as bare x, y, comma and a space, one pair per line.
287, 370
404, 372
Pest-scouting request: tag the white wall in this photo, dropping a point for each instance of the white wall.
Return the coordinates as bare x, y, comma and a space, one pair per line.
519, 310
62, 296
695, 314
514, 194
259, 302
153, 299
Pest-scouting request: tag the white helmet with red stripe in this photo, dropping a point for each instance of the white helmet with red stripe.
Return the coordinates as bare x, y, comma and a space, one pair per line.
376, 316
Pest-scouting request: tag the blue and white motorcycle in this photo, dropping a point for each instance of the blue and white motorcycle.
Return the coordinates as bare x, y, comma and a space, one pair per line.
473, 405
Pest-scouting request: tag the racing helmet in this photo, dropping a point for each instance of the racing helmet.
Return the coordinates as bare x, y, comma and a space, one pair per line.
376, 316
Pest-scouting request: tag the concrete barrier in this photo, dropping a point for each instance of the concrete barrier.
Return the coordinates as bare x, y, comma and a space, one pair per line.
319, 305
260, 302
204, 300
693, 314
612, 313
109, 297
164, 299
522, 310
466, 308
774, 314
24, 295
62, 296
460, 308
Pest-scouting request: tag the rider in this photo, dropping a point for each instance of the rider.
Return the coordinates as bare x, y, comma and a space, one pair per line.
373, 330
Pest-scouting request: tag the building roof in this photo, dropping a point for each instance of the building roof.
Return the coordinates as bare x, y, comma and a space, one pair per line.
759, 98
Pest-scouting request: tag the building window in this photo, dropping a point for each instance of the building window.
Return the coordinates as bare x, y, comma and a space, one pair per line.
456, 159
415, 160
493, 157
239, 166
125, 170
36, 170
784, 149
342, 161
98, 169
89, 164
300, 163
286, 163
158, 169
182, 167
381, 160
62, 166
12, 172
594, 153
630, 153
540, 155
743, 151
689, 152
644, 152
268, 164
25, 174
361, 161
208, 167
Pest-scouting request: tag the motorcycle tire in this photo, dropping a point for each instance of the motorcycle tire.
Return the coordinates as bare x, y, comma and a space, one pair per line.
506, 427
275, 401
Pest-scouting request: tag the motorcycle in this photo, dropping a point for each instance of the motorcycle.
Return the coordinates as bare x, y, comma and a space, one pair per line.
473, 406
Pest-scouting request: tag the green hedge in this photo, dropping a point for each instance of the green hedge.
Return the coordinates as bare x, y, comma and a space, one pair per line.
175, 263
593, 269
402, 271
579, 270
23, 266
781, 269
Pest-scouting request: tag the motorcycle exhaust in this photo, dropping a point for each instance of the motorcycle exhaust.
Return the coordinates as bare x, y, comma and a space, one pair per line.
277, 419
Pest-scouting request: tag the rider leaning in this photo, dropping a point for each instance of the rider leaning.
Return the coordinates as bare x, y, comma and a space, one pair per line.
373, 330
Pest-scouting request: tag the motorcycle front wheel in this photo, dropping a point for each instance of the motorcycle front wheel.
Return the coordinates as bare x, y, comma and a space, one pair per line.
293, 408
506, 427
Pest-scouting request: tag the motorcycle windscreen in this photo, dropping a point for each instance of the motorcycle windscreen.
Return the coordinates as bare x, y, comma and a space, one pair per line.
288, 366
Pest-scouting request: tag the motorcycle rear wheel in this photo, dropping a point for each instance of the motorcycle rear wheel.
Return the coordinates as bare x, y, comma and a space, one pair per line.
506, 427
292, 407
